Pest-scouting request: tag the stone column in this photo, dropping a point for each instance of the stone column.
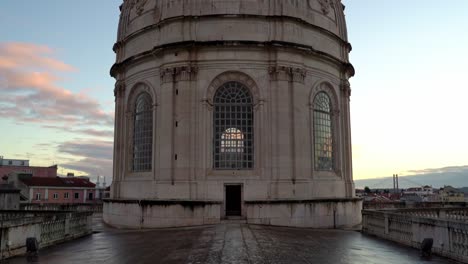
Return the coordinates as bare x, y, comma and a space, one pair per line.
346, 138
282, 122
167, 125
183, 124
119, 139
299, 112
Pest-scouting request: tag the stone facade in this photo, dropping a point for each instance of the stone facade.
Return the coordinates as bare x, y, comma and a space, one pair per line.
179, 53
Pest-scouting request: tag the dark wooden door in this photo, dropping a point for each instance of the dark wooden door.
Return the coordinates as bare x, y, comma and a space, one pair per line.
233, 200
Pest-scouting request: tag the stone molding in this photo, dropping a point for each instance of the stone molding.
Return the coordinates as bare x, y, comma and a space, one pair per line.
119, 90
179, 73
284, 73
324, 4
236, 76
346, 88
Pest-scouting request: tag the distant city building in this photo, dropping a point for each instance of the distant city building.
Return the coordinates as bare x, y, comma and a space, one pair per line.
420, 194
61, 190
9, 195
8, 166
450, 194
13, 162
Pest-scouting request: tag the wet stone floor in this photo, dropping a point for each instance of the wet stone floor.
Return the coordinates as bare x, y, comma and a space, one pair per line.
228, 243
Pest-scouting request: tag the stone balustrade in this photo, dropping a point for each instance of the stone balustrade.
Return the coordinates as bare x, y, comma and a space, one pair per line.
48, 227
447, 226
95, 208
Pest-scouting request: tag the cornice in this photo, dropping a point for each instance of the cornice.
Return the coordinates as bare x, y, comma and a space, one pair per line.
161, 23
120, 66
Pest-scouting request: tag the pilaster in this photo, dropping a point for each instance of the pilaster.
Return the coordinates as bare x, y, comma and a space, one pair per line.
346, 156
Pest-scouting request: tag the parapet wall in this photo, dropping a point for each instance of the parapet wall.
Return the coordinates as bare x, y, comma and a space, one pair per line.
49, 228
329, 213
448, 227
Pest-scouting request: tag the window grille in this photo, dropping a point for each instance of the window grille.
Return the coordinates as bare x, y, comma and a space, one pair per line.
323, 133
233, 127
143, 133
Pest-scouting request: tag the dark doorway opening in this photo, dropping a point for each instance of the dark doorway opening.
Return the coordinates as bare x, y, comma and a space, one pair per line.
233, 200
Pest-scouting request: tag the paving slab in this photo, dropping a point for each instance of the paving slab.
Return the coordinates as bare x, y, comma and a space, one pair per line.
228, 243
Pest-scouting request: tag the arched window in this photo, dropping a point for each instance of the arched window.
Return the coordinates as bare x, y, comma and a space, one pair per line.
323, 134
143, 133
233, 127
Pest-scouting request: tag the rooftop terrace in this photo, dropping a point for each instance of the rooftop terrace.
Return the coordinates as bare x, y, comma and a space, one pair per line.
229, 243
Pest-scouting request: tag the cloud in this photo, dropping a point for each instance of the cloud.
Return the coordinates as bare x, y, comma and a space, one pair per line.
27, 55
29, 77
89, 131
450, 169
94, 157
89, 149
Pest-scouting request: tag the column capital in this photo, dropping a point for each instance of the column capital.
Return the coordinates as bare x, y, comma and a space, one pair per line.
345, 88
178, 73
119, 89
286, 73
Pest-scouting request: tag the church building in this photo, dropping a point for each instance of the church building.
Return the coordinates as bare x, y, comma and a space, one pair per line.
232, 110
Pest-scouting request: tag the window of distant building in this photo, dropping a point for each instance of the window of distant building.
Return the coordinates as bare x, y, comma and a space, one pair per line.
10, 162
77, 195
55, 195
233, 127
66, 195
142, 133
90, 196
323, 133
38, 196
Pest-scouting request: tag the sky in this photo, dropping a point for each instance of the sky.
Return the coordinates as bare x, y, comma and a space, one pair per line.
407, 105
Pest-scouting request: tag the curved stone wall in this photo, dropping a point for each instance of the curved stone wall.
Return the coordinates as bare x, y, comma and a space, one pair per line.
180, 52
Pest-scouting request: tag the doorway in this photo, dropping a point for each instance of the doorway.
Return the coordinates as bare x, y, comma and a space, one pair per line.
233, 200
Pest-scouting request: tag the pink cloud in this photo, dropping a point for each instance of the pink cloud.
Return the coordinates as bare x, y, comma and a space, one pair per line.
29, 77
15, 55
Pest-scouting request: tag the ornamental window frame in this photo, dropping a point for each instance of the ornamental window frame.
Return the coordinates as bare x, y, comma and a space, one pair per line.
258, 102
131, 99
233, 127
324, 141
335, 171
142, 147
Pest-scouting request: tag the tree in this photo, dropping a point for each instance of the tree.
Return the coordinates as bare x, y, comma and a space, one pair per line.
367, 190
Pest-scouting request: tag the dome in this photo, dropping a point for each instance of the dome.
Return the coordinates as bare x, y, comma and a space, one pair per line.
311, 25
232, 108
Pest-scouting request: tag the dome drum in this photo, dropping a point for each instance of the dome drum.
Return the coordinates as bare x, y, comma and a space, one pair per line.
232, 109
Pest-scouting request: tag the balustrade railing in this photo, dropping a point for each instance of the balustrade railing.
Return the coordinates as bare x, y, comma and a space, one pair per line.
49, 227
448, 227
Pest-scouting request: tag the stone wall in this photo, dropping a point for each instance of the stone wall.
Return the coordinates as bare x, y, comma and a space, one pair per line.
448, 227
157, 214
327, 213
48, 228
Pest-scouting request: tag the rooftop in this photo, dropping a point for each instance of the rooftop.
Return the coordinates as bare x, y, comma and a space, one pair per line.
59, 182
229, 243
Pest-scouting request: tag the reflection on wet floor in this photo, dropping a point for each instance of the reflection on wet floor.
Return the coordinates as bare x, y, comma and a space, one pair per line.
228, 243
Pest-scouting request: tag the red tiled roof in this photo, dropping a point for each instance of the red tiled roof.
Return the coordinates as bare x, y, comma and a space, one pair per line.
59, 182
